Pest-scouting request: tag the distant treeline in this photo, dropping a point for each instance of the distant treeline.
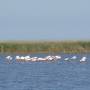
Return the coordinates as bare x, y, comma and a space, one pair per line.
45, 47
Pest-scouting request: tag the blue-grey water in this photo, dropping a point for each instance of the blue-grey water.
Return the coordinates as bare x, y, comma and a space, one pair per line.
59, 75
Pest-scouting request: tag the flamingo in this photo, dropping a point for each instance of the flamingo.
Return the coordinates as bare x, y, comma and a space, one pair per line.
42, 59
66, 59
34, 59
74, 57
50, 58
83, 59
27, 58
9, 58
17, 57
58, 57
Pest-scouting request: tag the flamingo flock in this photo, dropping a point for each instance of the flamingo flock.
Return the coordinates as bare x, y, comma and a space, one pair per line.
47, 58
83, 59
34, 59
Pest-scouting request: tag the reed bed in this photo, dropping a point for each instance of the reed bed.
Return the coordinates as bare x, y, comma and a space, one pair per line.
45, 47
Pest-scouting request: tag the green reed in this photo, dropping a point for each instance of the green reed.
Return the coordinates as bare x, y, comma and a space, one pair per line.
45, 47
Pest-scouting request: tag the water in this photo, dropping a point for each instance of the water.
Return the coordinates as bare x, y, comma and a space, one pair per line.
59, 75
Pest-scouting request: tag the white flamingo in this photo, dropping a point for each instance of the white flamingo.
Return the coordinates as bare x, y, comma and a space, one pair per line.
9, 58
49, 58
27, 58
17, 57
42, 59
58, 57
66, 59
74, 57
83, 59
34, 59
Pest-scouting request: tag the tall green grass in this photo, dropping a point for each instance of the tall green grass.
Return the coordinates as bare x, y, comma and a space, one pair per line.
45, 47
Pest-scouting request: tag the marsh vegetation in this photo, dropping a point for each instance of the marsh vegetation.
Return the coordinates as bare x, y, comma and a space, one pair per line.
45, 47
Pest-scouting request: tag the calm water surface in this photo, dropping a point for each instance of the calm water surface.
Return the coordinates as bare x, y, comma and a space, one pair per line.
59, 75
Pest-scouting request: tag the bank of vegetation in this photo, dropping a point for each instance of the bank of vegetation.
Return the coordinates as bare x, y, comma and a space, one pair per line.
45, 47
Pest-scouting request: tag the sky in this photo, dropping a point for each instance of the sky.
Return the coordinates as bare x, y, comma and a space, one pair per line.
44, 20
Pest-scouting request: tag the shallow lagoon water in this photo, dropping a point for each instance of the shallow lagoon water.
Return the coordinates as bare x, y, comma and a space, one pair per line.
59, 75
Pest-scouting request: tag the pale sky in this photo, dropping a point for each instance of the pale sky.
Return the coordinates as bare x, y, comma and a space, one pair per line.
44, 19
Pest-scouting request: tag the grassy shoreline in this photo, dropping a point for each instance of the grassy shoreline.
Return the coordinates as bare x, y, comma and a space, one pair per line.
45, 47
